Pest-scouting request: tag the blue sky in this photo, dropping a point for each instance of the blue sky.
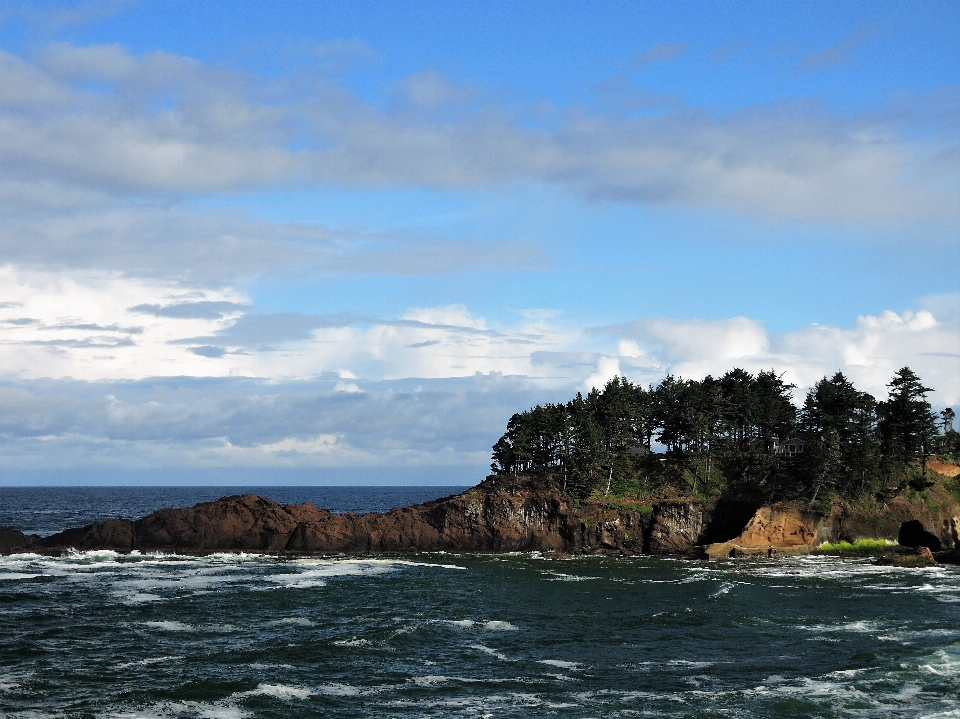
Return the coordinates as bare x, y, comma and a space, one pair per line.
351, 209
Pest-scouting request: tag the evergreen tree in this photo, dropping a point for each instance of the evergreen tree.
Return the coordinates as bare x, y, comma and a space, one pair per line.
838, 424
908, 426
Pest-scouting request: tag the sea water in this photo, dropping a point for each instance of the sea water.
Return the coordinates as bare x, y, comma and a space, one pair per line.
99, 634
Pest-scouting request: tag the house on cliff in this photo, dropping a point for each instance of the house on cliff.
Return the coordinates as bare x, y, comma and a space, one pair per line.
788, 447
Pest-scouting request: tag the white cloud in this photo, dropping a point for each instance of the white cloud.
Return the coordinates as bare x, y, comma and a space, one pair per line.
106, 327
84, 374
86, 326
607, 369
869, 353
162, 125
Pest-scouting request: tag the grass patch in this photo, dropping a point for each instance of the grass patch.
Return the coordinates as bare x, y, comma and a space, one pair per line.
860, 548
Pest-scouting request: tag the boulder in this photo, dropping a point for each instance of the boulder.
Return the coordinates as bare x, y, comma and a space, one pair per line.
911, 557
12, 540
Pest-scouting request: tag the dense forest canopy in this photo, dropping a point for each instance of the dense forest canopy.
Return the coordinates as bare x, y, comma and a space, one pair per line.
735, 435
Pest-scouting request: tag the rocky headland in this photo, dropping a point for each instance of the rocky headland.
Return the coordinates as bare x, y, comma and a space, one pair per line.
490, 518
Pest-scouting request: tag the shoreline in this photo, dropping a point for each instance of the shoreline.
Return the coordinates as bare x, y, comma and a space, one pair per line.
486, 519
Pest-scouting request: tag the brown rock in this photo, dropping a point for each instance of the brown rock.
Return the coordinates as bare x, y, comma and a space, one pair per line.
771, 531
12, 540
913, 557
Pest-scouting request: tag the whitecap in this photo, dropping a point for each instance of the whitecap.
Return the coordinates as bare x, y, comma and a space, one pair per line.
430, 680
561, 577
465, 623
170, 626
294, 621
500, 626
148, 662
687, 663
339, 690
559, 663
277, 691
139, 598
491, 652
201, 710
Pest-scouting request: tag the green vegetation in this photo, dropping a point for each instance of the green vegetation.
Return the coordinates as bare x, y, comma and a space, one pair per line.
861, 548
736, 436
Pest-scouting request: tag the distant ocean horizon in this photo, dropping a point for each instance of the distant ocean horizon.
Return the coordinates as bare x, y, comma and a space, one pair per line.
45, 510
438, 475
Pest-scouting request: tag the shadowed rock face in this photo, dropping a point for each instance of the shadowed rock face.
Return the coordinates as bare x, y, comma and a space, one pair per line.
912, 534
478, 520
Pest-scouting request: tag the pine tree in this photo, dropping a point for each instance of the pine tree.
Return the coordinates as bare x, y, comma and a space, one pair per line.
838, 423
908, 426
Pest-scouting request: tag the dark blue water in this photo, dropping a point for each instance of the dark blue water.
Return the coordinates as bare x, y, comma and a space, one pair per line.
103, 635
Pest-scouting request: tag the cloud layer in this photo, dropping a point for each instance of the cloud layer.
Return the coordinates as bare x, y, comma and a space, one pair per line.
99, 122
88, 361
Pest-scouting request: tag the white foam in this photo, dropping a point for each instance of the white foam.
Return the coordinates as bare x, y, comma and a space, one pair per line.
293, 621
148, 662
339, 690
277, 691
491, 652
943, 662
168, 710
724, 589
687, 663
18, 575
572, 666
499, 626
139, 598
561, 577
430, 680
465, 623
354, 642
169, 626
491, 626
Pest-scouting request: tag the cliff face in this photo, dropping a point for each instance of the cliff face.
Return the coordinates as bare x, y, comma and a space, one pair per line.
781, 529
487, 519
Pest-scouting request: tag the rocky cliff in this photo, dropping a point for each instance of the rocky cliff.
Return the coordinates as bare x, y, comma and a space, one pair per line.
931, 519
479, 520
491, 519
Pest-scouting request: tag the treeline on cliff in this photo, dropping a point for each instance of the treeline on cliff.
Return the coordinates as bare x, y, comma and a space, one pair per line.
735, 435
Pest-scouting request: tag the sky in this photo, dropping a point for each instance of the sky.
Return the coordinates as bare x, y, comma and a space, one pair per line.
342, 242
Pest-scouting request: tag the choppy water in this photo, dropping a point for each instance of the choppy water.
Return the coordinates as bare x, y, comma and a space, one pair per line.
103, 635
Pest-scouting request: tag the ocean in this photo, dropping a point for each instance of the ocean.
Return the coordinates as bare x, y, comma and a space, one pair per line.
226, 636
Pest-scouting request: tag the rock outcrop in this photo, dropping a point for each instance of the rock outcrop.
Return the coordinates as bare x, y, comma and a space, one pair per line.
479, 520
772, 531
491, 518
12, 539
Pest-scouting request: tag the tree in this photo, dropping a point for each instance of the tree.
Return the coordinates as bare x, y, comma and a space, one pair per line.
838, 423
908, 426
615, 415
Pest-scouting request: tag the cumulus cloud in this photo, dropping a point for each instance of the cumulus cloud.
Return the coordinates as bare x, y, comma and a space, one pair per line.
105, 327
101, 326
869, 352
90, 377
